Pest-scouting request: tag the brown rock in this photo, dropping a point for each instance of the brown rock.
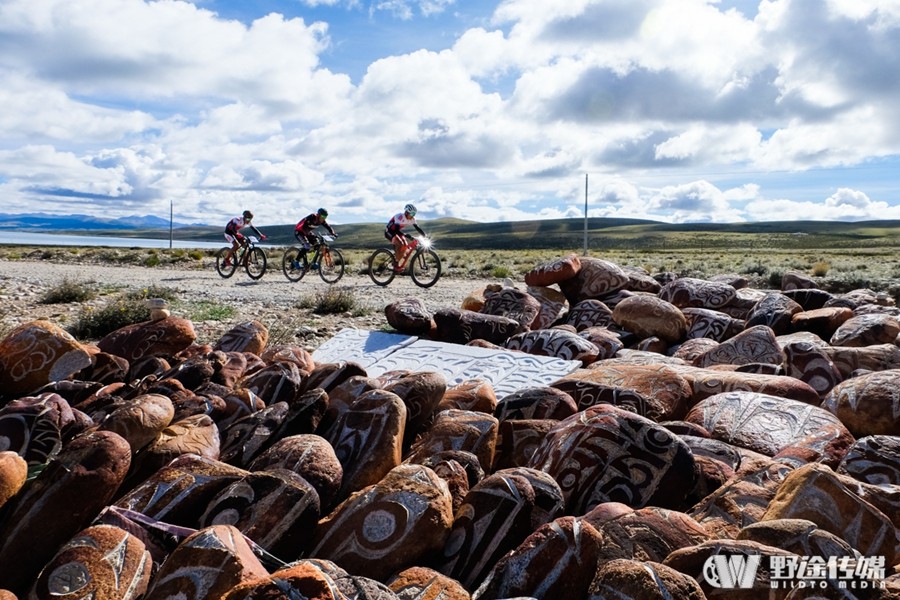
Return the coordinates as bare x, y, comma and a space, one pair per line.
589, 313
879, 357
36, 427
647, 316
554, 342
866, 330
809, 362
608, 342
711, 324
822, 321
165, 337
692, 292
422, 583
101, 562
462, 326
558, 560
409, 315
518, 439
472, 394
513, 304
311, 457
642, 580
289, 353
206, 565
873, 459
708, 382
595, 279
649, 534
303, 579
390, 526
754, 345
596, 454
62, 500
247, 437
277, 382
35, 354
536, 403
552, 302
196, 434
249, 336
141, 420
13, 472
799, 536
421, 392
554, 271
587, 393
775, 311
868, 404
459, 430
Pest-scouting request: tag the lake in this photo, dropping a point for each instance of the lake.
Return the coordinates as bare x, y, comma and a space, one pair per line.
23, 238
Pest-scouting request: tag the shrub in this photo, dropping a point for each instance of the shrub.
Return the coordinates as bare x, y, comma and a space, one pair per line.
152, 291
820, 269
95, 323
68, 291
501, 272
208, 311
332, 301
775, 278
152, 261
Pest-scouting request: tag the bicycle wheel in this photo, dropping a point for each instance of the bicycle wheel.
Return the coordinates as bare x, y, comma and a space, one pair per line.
294, 264
381, 266
256, 263
222, 269
331, 265
426, 268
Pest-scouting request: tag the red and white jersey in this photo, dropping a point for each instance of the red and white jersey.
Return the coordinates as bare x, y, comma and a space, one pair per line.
400, 220
236, 223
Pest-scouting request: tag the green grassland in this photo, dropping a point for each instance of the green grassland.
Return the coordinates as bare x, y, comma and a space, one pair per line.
841, 255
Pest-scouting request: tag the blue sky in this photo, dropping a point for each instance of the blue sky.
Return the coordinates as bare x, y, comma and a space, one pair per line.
677, 110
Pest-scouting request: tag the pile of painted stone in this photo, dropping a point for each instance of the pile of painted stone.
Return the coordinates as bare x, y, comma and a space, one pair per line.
708, 419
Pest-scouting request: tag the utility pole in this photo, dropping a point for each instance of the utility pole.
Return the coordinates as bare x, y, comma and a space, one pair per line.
171, 223
585, 214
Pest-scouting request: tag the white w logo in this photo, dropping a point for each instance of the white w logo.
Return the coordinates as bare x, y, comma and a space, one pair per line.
731, 571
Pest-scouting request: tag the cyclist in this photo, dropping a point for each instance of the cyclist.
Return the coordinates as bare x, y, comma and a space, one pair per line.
394, 232
234, 236
306, 226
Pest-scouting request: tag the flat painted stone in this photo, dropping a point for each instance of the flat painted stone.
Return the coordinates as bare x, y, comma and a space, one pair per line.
249, 336
165, 337
37, 353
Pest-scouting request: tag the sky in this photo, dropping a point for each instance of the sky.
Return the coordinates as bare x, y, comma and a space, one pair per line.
671, 110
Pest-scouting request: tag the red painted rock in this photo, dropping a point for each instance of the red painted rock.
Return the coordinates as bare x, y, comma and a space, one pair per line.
815, 493
697, 562
518, 439
595, 279
422, 583
554, 271
368, 439
101, 562
694, 348
105, 368
409, 315
708, 382
277, 382
247, 437
589, 313
36, 427
165, 337
608, 342
421, 392
866, 330
249, 336
754, 345
775, 311
587, 393
668, 389
760, 422
625, 579
472, 394
605, 454
649, 534
827, 445
390, 526
873, 459
196, 434
207, 564
558, 560
536, 403
459, 430
302, 579
13, 471
822, 321
868, 404
37, 353
140, 421
554, 342
647, 316
552, 302
179, 492
462, 326
494, 518
639, 280
311, 457
795, 280
799, 536
289, 353
61, 501
276, 509
343, 395
234, 367
740, 502
698, 293
712, 324
809, 363
810, 298
879, 357
513, 304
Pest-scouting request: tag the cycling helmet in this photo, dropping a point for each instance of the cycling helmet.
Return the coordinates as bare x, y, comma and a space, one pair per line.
322, 213
248, 215
410, 209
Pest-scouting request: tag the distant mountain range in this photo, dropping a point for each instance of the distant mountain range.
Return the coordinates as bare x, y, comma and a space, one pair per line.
45, 222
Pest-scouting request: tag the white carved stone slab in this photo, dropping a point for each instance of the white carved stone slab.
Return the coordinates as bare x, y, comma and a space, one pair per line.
505, 370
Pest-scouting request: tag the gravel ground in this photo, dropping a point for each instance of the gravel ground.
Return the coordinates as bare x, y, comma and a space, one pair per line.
272, 300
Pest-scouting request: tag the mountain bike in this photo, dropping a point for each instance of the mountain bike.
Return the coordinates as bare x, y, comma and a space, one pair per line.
421, 262
328, 261
249, 255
